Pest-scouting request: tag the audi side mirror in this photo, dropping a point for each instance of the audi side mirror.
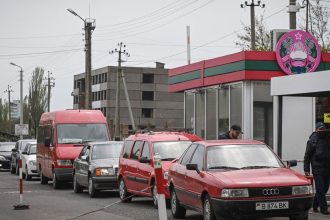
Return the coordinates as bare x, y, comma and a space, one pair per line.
192, 166
291, 163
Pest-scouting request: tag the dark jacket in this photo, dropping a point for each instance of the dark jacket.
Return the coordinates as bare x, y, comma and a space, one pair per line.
224, 136
317, 154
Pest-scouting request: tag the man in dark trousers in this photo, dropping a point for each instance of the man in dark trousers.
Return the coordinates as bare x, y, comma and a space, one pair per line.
233, 133
318, 156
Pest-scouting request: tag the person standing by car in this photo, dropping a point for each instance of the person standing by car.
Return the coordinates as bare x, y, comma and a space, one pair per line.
318, 156
233, 133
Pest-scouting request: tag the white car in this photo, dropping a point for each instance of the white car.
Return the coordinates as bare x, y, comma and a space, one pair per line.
29, 168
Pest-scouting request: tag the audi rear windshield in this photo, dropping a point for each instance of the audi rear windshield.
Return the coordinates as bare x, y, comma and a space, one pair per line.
81, 133
170, 150
241, 157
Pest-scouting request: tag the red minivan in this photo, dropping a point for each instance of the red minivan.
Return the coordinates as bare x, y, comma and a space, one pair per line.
61, 136
136, 174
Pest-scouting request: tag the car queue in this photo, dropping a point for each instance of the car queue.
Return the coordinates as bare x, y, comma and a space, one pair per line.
221, 179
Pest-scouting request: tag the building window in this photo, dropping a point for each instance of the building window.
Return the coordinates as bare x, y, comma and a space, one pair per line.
223, 121
200, 113
147, 113
236, 106
211, 114
148, 78
148, 95
189, 109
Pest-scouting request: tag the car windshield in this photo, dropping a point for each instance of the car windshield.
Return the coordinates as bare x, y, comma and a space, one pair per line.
170, 150
241, 157
105, 151
81, 133
33, 149
6, 147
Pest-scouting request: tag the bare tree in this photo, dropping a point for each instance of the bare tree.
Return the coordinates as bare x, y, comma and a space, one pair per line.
263, 37
37, 100
317, 24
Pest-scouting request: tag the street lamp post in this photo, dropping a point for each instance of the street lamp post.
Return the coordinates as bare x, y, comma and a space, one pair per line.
21, 96
89, 26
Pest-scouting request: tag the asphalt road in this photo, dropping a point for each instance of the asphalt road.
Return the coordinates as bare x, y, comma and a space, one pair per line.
64, 204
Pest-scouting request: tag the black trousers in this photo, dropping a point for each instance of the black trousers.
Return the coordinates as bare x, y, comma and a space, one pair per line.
321, 189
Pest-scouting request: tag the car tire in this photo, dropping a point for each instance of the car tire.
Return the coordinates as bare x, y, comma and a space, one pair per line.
56, 182
43, 179
76, 187
208, 213
301, 216
12, 169
91, 188
154, 195
176, 209
123, 194
27, 176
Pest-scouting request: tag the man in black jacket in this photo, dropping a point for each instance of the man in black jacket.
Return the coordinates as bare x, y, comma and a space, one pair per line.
233, 133
318, 156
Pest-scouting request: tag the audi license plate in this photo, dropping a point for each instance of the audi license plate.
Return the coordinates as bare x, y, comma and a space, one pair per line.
272, 205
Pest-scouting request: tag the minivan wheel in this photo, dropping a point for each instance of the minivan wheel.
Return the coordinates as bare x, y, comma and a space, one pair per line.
91, 188
43, 179
123, 194
56, 182
27, 176
176, 209
208, 213
76, 187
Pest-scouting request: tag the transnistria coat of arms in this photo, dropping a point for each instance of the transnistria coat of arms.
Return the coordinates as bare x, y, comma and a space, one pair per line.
298, 52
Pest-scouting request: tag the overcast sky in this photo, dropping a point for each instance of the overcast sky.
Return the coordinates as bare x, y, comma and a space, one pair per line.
43, 33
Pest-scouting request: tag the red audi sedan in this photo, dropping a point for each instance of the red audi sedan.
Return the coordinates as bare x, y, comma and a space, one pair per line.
232, 179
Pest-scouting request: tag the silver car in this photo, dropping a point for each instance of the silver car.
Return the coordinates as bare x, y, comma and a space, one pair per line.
96, 167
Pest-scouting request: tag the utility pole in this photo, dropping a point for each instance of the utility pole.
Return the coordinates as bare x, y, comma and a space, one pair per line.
253, 29
305, 4
9, 90
120, 74
293, 9
50, 83
89, 26
21, 96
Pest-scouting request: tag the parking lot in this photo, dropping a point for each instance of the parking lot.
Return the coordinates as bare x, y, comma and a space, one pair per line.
64, 204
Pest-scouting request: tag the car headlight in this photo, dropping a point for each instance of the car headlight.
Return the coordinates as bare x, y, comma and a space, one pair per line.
32, 162
64, 162
2, 158
234, 193
302, 190
105, 171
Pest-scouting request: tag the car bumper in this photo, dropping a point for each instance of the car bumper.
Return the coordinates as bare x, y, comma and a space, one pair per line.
32, 170
64, 174
4, 164
247, 208
105, 183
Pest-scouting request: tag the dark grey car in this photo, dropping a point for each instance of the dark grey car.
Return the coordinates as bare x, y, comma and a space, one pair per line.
5, 154
96, 167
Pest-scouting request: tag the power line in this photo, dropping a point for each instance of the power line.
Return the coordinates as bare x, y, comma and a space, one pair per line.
38, 53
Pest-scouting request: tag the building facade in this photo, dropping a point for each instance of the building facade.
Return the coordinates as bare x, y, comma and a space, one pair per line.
151, 103
233, 89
